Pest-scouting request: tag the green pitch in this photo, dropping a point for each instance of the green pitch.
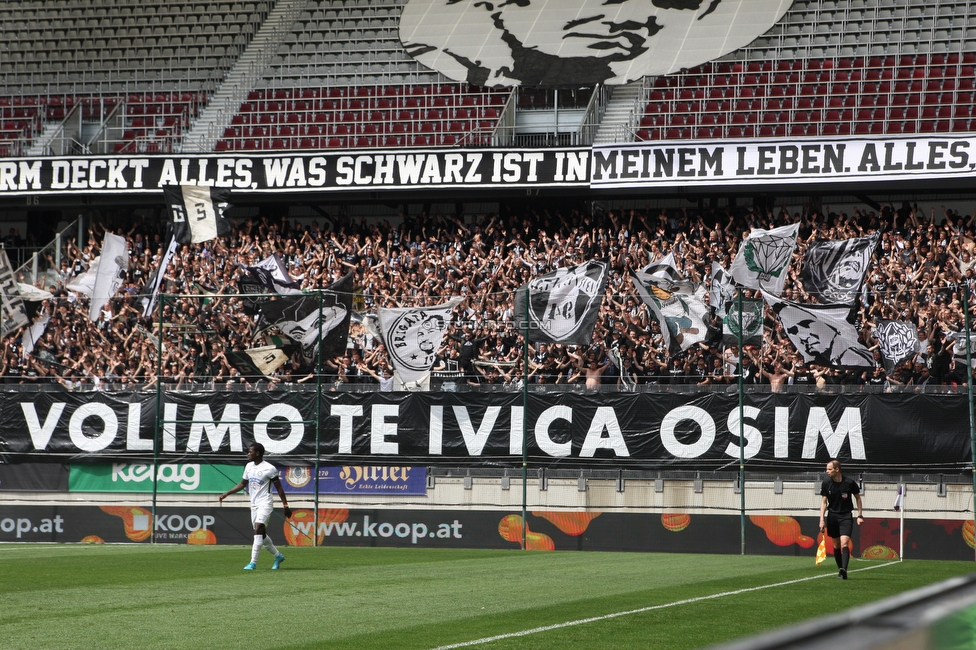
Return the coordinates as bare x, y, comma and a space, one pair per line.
199, 597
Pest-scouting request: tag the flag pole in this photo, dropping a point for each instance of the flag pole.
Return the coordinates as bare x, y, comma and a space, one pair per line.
742, 460
901, 524
525, 416
969, 389
159, 418
318, 426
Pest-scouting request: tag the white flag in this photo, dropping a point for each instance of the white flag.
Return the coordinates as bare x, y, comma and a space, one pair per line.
84, 283
111, 273
764, 257
413, 336
822, 334
721, 291
900, 499
34, 333
679, 308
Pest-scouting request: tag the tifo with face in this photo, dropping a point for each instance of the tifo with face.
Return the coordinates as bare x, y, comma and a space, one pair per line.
553, 43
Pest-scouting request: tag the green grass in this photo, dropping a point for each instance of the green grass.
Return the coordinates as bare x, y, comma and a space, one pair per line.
198, 597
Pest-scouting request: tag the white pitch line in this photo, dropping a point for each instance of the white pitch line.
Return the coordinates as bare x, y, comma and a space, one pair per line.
687, 601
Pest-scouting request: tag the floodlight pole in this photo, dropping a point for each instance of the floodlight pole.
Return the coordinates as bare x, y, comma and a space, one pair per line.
525, 417
157, 438
969, 389
742, 452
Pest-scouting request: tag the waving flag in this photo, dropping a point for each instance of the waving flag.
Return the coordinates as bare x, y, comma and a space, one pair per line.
959, 347
751, 324
898, 342
764, 257
14, 313
272, 274
721, 291
151, 290
197, 212
112, 267
822, 334
267, 276
255, 363
309, 322
822, 549
679, 307
413, 335
562, 305
833, 271
664, 268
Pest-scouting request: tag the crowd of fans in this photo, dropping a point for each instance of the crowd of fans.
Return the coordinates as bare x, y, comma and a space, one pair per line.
922, 262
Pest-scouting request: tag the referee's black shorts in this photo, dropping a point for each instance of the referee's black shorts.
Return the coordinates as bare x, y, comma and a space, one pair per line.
840, 524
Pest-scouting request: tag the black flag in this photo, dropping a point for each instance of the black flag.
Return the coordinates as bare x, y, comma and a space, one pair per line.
297, 316
197, 213
834, 270
563, 305
898, 342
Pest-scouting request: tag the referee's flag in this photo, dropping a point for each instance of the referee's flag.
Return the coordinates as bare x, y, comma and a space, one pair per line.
822, 549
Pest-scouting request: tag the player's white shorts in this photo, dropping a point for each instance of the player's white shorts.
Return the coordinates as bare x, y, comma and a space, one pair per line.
261, 515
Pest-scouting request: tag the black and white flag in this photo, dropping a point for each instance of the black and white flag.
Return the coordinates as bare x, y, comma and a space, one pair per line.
833, 271
664, 269
269, 276
721, 290
764, 257
273, 276
898, 342
152, 288
112, 268
14, 313
822, 334
255, 363
197, 213
959, 347
413, 335
750, 324
563, 305
679, 307
297, 317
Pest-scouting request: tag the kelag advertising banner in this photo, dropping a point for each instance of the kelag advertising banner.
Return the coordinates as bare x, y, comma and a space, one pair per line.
684, 431
674, 532
356, 479
198, 478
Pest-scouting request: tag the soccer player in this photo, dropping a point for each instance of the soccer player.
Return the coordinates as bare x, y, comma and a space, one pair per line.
259, 476
836, 510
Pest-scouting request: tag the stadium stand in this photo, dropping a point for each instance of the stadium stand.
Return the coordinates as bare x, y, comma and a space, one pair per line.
332, 74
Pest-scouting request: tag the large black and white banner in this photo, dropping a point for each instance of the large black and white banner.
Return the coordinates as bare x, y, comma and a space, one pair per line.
833, 271
789, 431
292, 172
619, 166
767, 162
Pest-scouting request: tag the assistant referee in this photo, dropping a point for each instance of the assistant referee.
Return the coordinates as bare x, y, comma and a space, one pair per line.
836, 512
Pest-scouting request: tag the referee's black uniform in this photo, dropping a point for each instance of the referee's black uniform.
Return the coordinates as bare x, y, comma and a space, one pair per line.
839, 517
